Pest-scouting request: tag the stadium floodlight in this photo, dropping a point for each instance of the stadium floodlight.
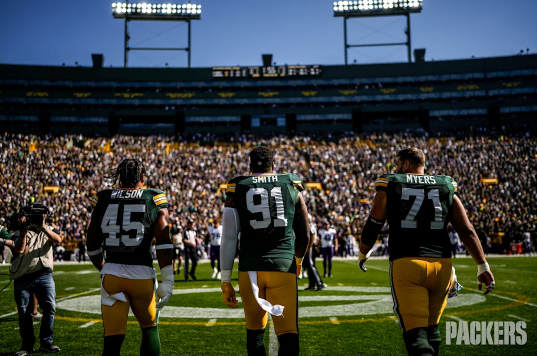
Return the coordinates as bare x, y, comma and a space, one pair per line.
367, 8
377, 8
155, 12
144, 11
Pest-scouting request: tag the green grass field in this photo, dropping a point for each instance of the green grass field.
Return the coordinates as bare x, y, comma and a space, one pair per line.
354, 316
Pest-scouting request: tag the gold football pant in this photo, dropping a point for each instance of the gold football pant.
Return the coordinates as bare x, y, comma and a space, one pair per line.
419, 290
277, 288
140, 295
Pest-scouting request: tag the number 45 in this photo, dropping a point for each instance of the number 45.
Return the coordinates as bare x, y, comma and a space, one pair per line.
109, 225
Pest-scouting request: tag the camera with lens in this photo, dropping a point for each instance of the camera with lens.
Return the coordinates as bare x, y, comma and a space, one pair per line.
34, 214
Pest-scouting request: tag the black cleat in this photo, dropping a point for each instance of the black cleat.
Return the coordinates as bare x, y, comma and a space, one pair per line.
310, 288
49, 348
193, 277
321, 287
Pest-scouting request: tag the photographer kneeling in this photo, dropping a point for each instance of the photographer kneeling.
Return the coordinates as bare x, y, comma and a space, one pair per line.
31, 271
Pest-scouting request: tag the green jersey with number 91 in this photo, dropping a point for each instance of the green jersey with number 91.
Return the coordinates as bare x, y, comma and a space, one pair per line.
266, 207
126, 218
418, 211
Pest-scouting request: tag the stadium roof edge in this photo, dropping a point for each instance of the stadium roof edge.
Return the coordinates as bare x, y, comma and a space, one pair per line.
16, 71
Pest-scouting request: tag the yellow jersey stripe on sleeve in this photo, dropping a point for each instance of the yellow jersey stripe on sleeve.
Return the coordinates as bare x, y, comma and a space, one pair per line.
231, 185
383, 179
156, 197
94, 200
161, 202
381, 184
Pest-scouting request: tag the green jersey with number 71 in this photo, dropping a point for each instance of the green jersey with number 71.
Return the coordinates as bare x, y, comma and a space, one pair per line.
417, 210
126, 218
266, 206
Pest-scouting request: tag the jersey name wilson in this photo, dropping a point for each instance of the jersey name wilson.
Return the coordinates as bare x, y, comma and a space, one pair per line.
127, 194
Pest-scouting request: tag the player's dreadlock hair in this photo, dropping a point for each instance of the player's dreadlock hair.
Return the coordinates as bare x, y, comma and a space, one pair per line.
129, 172
261, 158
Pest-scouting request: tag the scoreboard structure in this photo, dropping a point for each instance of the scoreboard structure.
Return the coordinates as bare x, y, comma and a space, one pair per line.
266, 72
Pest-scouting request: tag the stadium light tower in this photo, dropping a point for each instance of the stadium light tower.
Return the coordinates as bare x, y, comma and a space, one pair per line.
377, 8
155, 12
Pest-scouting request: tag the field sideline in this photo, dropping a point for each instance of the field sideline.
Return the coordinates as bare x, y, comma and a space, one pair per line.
352, 316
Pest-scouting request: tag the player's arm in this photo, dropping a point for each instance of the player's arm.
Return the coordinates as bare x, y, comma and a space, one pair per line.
301, 227
164, 248
94, 242
372, 227
228, 250
162, 236
469, 237
5, 238
336, 241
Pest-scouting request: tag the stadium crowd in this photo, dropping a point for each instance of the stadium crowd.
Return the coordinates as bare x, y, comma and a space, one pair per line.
347, 167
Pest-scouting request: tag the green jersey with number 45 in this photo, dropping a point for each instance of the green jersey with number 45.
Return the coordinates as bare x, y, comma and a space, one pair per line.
266, 207
418, 211
126, 218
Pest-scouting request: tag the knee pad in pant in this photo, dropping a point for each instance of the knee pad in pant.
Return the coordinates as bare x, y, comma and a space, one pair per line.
254, 342
289, 345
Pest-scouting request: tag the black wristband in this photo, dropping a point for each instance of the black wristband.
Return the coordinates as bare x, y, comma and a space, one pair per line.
371, 231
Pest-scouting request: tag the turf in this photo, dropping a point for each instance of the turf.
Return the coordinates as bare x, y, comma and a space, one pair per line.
515, 297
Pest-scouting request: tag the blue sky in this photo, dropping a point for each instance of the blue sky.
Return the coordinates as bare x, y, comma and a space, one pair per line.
237, 32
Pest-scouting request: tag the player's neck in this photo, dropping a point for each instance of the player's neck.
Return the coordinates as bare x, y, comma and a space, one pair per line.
254, 173
419, 171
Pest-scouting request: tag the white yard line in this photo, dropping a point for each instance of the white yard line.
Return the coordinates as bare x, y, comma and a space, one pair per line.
506, 298
69, 288
76, 295
87, 324
273, 340
334, 320
211, 322
368, 266
8, 314
455, 318
517, 317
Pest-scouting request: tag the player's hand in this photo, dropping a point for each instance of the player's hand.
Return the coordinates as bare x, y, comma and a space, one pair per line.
362, 258
2, 242
228, 295
298, 270
488, 278
165, 289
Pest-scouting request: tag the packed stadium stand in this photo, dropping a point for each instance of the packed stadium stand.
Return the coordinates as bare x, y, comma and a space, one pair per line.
193, 129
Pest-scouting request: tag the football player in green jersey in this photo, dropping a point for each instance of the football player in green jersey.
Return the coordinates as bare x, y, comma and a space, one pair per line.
419, 208
266, 208
123, 223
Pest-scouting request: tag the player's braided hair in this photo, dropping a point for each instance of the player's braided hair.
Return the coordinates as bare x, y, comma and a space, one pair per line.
261, 158
129, 172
